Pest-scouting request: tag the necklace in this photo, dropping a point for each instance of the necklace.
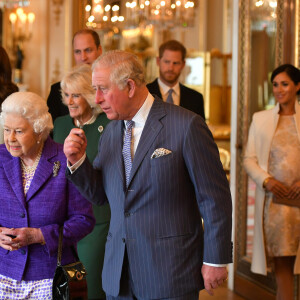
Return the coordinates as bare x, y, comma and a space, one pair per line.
28, 171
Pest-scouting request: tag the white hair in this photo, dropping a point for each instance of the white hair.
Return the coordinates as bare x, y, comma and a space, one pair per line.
123, 66
32, 107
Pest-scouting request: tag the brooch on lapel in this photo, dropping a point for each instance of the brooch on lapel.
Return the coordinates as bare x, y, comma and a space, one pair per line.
56, 167
160, 152
100, 128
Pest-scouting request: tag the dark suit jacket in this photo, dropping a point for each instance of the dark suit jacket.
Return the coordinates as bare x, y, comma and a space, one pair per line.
54, 102
158, 217
189, 98
50, 202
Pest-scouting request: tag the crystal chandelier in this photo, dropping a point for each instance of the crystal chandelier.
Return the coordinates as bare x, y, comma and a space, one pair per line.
102, 15
165, 13
14, 3
265, 8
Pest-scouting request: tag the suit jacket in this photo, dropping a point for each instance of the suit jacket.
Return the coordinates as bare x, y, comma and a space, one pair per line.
256, 162
189, 98
54, 102
50, 202
158, 217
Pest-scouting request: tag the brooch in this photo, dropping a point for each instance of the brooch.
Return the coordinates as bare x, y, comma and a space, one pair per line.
100, 128
56, 167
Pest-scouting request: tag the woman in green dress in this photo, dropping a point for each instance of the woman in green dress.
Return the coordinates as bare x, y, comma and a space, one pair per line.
79, 95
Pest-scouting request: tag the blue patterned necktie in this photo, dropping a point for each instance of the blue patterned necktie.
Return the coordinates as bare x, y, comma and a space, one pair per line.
170, 98
127, 150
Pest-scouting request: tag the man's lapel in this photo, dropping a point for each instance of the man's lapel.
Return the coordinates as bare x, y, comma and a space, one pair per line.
151, 129
117, 148
157, 89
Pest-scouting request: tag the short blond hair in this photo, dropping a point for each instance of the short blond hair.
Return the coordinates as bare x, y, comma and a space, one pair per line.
79, 81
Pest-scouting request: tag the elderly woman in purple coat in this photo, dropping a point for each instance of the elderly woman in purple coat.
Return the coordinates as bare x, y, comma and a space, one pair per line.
35, 200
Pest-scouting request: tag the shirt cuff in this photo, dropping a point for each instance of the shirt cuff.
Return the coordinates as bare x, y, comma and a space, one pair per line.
214, 265
73, 168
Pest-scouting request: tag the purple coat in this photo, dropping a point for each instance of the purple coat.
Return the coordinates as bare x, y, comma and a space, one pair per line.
50, 202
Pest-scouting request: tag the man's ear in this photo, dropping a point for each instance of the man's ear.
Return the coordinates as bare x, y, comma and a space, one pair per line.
157, 60
131, 87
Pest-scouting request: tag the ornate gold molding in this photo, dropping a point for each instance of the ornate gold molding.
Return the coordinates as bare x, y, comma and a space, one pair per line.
57, 9
242, 123
280, 33
297, 34
56, 72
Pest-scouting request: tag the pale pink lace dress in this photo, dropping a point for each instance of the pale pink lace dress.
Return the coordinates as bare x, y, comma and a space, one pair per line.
281, 222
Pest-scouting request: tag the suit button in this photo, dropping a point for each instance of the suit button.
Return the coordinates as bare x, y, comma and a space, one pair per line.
22, 215
127, 214
23, 251
123, 240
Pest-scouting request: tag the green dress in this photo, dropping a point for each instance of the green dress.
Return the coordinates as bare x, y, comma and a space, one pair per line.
91, 248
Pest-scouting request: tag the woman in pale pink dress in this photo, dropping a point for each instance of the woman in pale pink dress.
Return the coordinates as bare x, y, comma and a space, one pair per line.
272, 160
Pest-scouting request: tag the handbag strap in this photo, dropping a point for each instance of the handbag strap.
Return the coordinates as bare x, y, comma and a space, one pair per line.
60, 244
60, 241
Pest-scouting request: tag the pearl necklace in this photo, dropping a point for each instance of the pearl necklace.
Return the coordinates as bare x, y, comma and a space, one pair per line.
28, 171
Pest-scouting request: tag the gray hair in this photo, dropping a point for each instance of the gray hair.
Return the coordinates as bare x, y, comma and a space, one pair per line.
79, 81
33, 108
123, 66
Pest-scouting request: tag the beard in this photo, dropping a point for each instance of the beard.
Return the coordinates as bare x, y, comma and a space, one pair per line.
169, 77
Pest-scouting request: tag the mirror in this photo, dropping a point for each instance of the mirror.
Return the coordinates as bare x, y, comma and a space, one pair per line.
268, 37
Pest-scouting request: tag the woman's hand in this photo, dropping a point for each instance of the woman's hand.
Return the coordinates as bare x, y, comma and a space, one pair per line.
277, 188
294, 192
13, 239
7, 239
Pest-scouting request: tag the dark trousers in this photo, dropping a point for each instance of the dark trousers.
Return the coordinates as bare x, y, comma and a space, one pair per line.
127, 288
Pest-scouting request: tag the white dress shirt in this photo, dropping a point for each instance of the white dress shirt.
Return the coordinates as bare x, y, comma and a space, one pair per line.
164, 90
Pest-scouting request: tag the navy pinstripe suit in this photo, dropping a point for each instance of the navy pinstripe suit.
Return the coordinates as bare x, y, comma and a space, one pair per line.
158, 217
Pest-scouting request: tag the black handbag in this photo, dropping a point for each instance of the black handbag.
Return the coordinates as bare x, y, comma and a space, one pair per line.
69, 282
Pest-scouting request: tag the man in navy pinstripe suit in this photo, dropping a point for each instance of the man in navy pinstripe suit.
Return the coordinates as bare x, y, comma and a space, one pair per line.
156, 247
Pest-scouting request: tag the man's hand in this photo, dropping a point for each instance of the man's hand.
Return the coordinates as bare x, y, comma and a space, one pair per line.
75, 145
213, 277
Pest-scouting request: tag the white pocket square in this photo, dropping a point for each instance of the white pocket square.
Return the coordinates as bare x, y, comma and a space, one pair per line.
160, 152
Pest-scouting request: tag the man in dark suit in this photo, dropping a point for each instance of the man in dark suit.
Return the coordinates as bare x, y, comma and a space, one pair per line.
156, 247
171, 61
86, 49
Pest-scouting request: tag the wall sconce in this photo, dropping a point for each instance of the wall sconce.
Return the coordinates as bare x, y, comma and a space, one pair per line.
21, 31
21, 25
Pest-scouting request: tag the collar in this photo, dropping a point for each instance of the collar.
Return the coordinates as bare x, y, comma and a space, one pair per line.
141, 116
165, 88
90, 121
